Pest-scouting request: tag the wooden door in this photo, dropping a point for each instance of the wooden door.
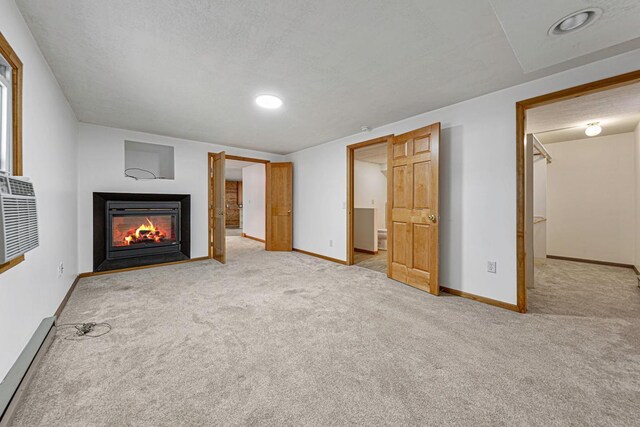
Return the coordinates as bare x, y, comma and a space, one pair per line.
279, 207
217, 234
232, 204
412, 229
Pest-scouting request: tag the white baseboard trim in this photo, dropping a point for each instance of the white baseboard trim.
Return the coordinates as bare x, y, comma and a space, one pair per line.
17, 380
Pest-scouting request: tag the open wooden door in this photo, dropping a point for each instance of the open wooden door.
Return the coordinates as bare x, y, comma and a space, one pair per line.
412, 226
217, 222
279, 227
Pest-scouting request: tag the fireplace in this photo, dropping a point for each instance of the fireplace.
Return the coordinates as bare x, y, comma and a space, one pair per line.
132, 230
142, 228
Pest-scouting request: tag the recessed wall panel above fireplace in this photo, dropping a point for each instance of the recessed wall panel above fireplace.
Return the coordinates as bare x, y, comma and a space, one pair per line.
132, 230
148, 161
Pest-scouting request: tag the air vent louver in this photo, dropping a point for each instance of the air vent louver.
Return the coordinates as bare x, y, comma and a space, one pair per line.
18, 218
21, 188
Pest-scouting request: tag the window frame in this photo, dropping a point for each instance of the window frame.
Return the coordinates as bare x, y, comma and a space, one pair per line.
15, 131
6, 131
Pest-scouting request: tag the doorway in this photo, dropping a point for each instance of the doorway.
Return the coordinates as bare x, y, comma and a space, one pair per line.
249, 198
367, 189
557, 148
245, 194
412, 206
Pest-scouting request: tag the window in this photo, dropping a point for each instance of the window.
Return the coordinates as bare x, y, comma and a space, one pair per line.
6, 117
10, 119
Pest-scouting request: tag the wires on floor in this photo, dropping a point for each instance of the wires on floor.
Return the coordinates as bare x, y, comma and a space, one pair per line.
84, 330
138, 178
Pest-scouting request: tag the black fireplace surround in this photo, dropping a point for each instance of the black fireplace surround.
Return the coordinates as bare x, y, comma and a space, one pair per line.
132, 230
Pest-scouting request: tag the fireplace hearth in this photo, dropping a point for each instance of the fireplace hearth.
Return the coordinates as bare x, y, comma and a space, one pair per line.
133, 230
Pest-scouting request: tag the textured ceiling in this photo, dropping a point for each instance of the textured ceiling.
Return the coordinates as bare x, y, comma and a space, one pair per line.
372, 154
610, 126
617, 111
233, 169
191, 68
526, 24
237, 164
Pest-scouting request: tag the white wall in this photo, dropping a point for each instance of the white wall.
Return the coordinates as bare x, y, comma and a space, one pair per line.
636, 144
100, 169
540, 206
477, 187
370, 189
253, 199
365, 230
32, 290
591, 199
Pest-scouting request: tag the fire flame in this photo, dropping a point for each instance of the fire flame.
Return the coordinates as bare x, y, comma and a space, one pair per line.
146, 232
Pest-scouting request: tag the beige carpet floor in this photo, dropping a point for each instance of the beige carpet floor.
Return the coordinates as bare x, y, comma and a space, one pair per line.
287, 339
589, 290
233, 232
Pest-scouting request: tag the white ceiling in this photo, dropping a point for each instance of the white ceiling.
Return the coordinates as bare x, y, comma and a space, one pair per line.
610, 126
233, 169
616, 110
372, 154
237, 164
233, 174
526, 24
192, 68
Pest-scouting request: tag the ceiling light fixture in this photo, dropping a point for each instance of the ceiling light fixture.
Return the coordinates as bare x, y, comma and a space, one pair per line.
593, 129
270, 102
575, 21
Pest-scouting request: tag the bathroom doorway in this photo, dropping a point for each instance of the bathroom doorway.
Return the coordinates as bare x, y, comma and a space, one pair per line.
367, 204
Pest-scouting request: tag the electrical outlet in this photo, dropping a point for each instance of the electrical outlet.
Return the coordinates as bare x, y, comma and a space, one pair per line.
344, 205
60, 269
330, 243
492, 267
373, 202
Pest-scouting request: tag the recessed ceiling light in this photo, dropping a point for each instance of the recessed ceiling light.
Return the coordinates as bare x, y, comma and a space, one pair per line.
269, 101
593, 129
575, 21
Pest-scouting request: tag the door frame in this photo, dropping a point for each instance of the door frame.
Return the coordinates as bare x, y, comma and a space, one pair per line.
521, 116
231, 157
350, 191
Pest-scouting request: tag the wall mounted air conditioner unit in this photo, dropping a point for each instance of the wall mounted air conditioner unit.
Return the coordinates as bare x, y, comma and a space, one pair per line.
18, 217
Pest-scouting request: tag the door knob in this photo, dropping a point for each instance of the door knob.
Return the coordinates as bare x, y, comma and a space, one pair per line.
433, 218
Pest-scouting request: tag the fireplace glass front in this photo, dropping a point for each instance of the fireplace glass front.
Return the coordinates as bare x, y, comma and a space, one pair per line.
142, 228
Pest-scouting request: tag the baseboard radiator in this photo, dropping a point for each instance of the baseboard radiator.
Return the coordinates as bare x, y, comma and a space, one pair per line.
17, 380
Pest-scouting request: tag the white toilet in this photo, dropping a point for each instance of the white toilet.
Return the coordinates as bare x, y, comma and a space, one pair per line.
382, 239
